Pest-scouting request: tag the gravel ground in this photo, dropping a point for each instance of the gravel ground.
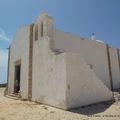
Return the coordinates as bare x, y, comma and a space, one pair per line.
11, 109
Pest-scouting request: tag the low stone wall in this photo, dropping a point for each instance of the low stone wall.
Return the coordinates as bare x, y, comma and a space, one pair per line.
3, 85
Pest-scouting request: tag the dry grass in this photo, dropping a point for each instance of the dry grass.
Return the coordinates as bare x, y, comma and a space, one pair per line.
11, 109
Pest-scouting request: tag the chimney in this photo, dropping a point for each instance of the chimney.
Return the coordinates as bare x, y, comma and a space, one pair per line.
93, 37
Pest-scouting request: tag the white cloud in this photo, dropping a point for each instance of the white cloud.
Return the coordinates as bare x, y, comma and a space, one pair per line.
3, 65
3, 58
3, 36
3, 75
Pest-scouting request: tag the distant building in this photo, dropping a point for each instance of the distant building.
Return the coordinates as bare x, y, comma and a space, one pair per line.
59, 69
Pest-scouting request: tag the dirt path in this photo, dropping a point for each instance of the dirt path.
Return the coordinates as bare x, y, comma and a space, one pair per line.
23, 110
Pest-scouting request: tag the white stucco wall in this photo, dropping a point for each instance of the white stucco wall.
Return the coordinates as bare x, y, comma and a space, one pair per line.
64, 80
56, 77
115, 68
49, 75
49, 70
20, 50
83, 86
92, 51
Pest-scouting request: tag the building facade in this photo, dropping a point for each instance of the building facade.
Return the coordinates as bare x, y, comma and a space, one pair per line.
57, 68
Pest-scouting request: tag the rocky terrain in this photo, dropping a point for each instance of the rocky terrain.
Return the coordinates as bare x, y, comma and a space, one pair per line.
15, 109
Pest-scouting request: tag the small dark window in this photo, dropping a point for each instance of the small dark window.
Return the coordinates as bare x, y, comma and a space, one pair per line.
42, 30
36, 32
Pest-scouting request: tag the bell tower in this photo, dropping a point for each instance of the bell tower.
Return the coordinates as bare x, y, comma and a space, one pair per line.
43, 26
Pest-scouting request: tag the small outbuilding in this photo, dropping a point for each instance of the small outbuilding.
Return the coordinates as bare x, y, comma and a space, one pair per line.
57, 68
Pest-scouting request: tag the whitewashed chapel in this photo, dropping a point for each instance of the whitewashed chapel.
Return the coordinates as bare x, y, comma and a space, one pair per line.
57, 68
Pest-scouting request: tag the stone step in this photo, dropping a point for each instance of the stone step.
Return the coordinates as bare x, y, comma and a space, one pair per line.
14, 96
116, 96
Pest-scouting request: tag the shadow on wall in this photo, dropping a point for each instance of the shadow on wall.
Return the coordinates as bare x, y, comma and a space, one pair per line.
92, 109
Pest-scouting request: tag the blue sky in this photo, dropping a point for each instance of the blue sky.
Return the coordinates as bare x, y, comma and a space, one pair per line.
81, 17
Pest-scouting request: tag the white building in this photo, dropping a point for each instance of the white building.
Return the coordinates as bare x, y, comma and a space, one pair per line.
59, 69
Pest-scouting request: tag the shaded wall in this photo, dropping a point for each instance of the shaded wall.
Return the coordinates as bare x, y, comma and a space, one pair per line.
115, 70
19, 50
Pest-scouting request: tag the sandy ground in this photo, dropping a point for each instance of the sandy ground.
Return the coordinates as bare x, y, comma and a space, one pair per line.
11, 109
